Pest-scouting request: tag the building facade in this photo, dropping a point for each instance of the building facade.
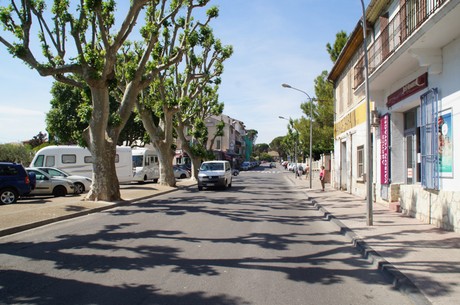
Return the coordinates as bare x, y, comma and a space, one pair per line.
414, 67
231, 145
228, 146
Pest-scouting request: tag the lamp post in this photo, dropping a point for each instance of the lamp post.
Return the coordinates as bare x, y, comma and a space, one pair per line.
311, 126
369, 178
295, 144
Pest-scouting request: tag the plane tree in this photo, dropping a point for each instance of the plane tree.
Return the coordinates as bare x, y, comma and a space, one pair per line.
171, 94
79, 43
199, 99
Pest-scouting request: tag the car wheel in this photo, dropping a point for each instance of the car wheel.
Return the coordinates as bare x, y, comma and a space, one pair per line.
8, 196
200, 188
79, 188
59, 191
183, 176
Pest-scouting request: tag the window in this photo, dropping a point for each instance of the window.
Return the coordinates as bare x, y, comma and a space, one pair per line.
218, 145
429, 140
88, 159
50, 161
39, 161
67, 159
360, 160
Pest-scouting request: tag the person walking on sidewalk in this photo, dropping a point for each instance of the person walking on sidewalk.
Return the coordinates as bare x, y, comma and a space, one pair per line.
322, 177
299, 171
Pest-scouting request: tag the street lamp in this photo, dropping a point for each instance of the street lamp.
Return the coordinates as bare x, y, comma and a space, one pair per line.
295, 144
369, 179
311, 125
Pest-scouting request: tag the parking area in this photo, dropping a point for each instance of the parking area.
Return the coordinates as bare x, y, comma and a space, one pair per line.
29, 212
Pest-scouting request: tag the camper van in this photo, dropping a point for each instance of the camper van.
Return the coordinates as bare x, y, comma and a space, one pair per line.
77, 160
145, 165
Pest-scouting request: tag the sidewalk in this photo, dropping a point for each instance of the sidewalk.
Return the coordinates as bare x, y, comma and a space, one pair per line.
422, 260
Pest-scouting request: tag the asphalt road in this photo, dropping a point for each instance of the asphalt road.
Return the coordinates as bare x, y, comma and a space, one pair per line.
256, 243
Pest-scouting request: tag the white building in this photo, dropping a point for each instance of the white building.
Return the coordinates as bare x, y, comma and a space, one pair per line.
414, 71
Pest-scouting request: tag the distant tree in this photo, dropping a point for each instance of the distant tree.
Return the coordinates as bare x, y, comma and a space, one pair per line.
38, 140
335, 49
277, 145
323, 118
259, 149
265, 157
16, 153
262, 148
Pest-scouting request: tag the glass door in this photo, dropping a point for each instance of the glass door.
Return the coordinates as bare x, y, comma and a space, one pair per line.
410, 159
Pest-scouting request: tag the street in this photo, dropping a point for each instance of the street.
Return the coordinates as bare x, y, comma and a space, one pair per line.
256, 243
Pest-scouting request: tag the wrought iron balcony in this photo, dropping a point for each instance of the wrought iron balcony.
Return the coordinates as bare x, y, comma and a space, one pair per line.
410, 17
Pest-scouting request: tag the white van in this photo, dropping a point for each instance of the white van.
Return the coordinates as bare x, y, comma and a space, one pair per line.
77, 160
215, 173
145, 165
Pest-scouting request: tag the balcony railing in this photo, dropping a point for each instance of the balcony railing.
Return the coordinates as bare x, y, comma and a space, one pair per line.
411, 16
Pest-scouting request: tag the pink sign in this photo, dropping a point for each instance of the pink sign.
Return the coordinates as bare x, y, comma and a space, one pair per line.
385, 149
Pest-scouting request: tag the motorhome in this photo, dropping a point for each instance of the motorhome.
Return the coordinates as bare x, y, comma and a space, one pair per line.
77, 160
145, 165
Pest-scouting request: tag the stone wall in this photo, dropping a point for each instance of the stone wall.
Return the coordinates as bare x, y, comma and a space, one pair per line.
440, 208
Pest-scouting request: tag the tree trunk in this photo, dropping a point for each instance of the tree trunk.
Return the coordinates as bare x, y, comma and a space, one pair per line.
162, 140
196, 161
103, 149
165, 157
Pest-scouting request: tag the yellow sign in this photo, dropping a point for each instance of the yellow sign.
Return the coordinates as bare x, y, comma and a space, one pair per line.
352, 119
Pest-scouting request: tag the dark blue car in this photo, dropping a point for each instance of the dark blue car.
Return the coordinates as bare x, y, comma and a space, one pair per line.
14, 182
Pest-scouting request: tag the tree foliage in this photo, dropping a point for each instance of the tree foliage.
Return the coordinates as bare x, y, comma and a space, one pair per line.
277, 145
70, 114
16, 153
335, 49
38, 140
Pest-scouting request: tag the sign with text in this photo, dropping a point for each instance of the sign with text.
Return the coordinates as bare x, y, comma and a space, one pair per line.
414, 86
385, 149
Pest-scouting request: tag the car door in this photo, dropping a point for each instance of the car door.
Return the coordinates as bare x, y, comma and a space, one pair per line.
43, 184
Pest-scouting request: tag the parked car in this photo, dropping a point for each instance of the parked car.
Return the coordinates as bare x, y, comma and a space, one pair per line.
48, 185
181, 173
82, 183
14, 182
214, 174
245, 166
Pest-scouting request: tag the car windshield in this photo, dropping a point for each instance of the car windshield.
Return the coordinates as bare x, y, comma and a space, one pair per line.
212, 166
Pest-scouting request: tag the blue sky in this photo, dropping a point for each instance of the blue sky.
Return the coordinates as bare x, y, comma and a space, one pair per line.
274, 42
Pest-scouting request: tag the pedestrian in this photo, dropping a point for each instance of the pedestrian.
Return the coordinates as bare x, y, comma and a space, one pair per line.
299, 171
322, 177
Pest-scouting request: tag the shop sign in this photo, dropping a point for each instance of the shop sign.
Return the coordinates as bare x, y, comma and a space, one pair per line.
385, 149
407, 90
